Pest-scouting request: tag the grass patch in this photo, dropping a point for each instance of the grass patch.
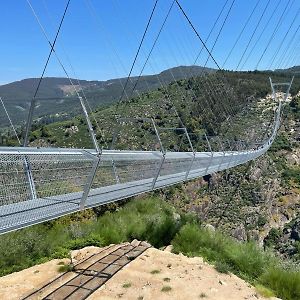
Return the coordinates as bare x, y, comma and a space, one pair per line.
66, 268
263, 291
126, 285
222, 267
167, 279
148, 219
166, 288
202, 295
246, 260
155, 272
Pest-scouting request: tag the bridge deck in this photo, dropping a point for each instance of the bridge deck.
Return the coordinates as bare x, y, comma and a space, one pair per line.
60, 178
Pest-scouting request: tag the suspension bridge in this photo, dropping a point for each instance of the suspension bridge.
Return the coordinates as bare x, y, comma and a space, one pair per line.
41, 184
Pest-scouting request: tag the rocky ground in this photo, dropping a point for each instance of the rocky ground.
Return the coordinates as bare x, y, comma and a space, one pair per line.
255, 200
155, 274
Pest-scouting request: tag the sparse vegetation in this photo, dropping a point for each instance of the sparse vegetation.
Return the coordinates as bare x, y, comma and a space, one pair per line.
150, 220
66, 268
244, 259
222, 267
166, 288
126, 285
265, 292
155, 272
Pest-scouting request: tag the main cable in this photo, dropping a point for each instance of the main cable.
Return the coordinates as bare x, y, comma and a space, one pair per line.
52, 45
197, 34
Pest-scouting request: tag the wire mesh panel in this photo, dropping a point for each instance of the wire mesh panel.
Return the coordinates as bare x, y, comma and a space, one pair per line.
174, 164
13, 179
119, 167
41, 185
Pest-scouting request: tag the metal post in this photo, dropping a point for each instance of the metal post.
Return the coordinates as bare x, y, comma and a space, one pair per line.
115, 171
194, 154
27, 166
231, 154
116, 131
208, 143
212, 154
163, 155
159, 169
220, 143
29, 177
90, 178
90, 127
158, 136
278, 113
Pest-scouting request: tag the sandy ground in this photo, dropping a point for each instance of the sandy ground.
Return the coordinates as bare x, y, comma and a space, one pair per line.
154, 275
16, 285
188, 278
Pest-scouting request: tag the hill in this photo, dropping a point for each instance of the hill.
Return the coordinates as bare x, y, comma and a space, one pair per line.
17, 95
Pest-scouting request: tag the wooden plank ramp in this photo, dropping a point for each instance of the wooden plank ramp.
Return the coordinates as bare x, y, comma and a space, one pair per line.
90, 274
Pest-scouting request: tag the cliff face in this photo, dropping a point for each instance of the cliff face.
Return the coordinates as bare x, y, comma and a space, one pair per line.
260, 200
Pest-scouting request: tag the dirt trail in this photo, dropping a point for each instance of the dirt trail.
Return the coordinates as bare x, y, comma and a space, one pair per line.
126, 271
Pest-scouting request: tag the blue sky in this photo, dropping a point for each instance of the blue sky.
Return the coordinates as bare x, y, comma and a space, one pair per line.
99, 38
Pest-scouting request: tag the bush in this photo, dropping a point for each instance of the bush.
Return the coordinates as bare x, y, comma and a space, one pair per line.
144, 219
286, 283
244, 259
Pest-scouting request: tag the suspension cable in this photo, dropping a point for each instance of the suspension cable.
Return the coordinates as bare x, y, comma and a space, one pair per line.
152, 48
52, 45
78, 81
10, 121
241, 32
288, 48
197, 34
273, 34
69, 78
221, 29
211, 30
253, 33
261, 34
283, 39
137, 53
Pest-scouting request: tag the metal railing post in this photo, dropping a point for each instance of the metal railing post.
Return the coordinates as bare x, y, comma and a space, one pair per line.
194, 155
211, 152
220, 143
29, 177
27, 166
90, 178
230, 161
158, 171
163, 155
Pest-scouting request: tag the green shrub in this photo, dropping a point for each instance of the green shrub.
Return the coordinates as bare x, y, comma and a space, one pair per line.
166, 288
66, 268
91, 240
244, 259
222, 267
286, 283
265, 292
144, 219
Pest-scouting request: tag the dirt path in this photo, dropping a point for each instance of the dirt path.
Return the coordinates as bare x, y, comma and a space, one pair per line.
126, 271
